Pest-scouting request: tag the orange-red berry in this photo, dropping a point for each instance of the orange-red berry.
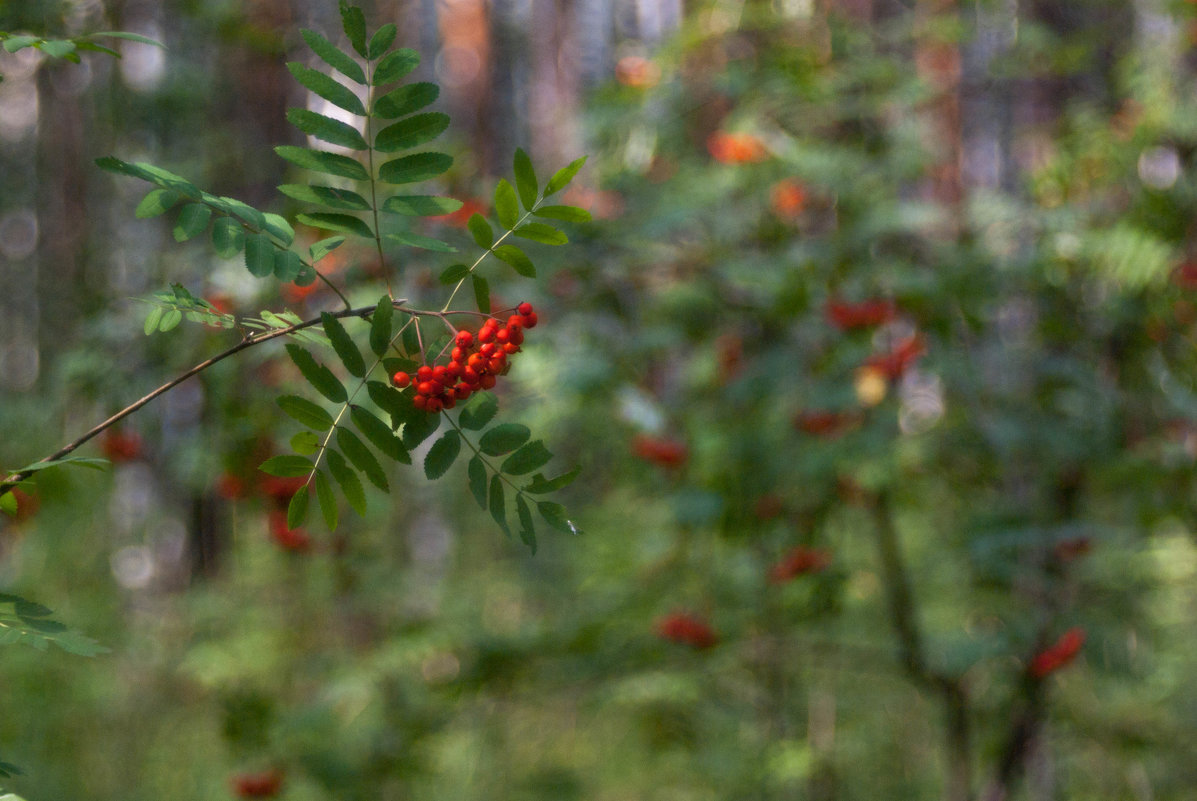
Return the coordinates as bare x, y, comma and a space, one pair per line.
524, 308
401, 379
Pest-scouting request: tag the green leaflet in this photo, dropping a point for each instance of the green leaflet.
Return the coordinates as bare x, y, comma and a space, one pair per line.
541, 485
334, 56
354, 23
418, 241
481, 293
327, 129
554, 514
498, 504
289, 465
328, 88
330, 221
406, 99
413, 168
566, 213
396, 65
504, 438
480, 229
320, 249
381, 41
528, 458
539, 232
442, 454
410, 132
525, 179
328, 501
453, 273
527, 529
379, 434
259, 255
191, 222
297, 509
478, 412
343, 344
563, 176
380, 325
477, 476
507, 207
347, 480
305, 412
330, 196
319, 376
516, 259
228, 237
322, 161
421, 205
362, 458
156, 201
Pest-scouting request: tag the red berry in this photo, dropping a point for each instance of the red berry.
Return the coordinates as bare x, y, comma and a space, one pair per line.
424, 373
462, 390
511, 347
524, 308
529, 319
440, 375
471, 375
464, 339
420, 402
401, 379
488, 382
427, 388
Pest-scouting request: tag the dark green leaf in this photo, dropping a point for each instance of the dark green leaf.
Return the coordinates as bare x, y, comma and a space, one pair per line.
519, 261
528, 458
327, 87
191, 222
415, 130
477, 475
322, 161
331, 221
563, 176
480, 229
305, 443
391, 401
348, 481
297, 509
28, 609
330, 196
380, 325
228, 237
8, 503
328, 502
354, 23
343, 344
567, 213
421, 205
305, 412
381, 40
419, 427
525, 179
279, 228
507, 207
454, 273
317, 375
333, 56
504, 438
152, 319
539, 232
527, 529
418, 241
305, 277
555, 515
236, 208
413, 168
288, 465
170, 320
259, 255
8, 769
498, 504
481, 293
287, 265
379, 434
320, 249
361, 457
405, 100
541, 485
478, 412
156, 201
396, 65
442, 454
327, 129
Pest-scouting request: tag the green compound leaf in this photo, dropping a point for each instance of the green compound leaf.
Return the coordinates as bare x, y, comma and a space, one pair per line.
156, 201
481, 293
418, 241
526, 459
342, 343
507, 207
379, 434
259, 255
333, 56
539, 232
478, 412
322, 161
406, 99
354, 23
320, 249
454, 273
304, 412
542, 486
152, 319
527, 529
480, 229
380, 325
347, 480
517, 259
442, 454
410, 132
555, 515
563, 176
396, 65
362, 459
297, 509
330, 196
327, 87
525, 179
327, 129
330, 221
566, 213
421, 205
228, 237
381, 41
413, 168
504, 438
498, 503
328, 501
316, 374
191, 222
288, 266
477, 475
148, 172
289, 465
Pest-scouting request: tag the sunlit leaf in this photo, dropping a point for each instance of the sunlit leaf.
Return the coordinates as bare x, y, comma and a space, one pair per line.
525, 179
354, 23
330, 196
507, 207
228, 237
319, 250
567, 213
381, 40
563, 176
419, 241
156, 201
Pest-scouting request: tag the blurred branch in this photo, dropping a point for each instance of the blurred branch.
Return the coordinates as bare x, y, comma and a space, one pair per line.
14, 479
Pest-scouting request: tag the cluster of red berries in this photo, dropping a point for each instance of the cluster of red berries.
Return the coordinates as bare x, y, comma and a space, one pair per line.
474, 363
